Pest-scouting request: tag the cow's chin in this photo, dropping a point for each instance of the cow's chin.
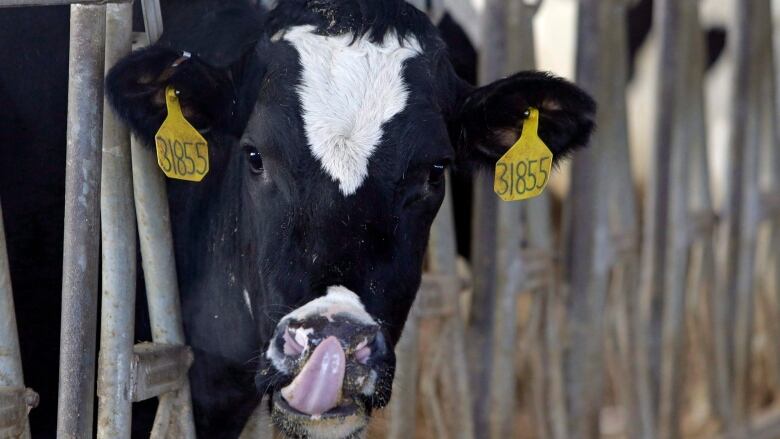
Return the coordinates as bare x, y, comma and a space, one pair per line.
347, 421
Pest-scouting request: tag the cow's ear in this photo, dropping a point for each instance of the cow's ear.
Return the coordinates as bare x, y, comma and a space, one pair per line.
200, 58
489, 119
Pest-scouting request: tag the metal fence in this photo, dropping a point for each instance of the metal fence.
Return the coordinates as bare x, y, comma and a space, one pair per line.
636, 312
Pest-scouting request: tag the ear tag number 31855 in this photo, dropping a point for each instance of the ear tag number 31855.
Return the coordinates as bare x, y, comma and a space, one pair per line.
524, 170
182, 152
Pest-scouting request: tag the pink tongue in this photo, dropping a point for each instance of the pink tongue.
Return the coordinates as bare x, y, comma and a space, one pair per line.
317, 388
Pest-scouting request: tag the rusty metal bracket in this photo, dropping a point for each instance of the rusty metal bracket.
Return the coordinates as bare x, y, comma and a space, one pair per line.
158, 369
15, 405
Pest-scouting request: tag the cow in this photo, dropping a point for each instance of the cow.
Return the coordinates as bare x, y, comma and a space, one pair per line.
331, 124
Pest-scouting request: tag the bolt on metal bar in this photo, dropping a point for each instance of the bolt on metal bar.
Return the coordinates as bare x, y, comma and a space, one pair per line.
11, 377
118, 235
81, 247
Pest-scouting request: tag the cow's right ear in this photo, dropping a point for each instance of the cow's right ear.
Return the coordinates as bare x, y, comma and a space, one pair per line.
201, 55
136, 90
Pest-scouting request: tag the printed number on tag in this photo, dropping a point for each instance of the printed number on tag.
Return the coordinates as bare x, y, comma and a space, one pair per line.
523, 172
182, 153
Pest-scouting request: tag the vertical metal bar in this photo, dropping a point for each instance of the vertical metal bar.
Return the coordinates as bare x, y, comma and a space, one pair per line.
673, 334
153, 23
587, 239
748, 69
118, 234
10, 356
154, 229
522, 228
494, 223
656, 233
403, 405
82, 246
174, 413
622, 208
732, 307
443, 261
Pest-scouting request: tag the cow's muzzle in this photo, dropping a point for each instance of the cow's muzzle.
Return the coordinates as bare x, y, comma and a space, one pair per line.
337, 364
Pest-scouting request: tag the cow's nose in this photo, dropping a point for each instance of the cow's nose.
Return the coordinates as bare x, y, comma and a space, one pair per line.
330, 345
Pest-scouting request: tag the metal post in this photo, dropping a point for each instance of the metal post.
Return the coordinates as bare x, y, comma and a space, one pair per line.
587, 237
524, 231
118, 233
174, 412
493, 223
11, 379
81, 247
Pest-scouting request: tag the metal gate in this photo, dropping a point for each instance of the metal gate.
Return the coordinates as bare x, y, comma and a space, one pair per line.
108, 181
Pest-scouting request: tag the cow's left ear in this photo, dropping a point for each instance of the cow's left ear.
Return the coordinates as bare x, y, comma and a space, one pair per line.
489, 119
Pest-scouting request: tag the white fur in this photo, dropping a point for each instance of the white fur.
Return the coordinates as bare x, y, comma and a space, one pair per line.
349, 89
338, 300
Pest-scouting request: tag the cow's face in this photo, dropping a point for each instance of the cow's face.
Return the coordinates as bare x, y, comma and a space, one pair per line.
334, 131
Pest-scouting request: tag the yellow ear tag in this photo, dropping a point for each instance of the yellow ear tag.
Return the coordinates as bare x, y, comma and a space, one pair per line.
524, 170
182, 152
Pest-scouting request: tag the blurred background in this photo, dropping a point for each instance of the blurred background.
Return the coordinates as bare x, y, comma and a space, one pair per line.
639, 297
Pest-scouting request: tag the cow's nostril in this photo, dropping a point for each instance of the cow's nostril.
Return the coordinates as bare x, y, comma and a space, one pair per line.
362, 352
291, 347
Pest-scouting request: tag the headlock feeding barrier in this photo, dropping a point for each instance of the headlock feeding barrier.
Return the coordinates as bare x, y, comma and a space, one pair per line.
609, 313
108, 184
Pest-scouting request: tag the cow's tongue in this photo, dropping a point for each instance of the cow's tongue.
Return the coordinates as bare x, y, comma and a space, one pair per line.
317, 388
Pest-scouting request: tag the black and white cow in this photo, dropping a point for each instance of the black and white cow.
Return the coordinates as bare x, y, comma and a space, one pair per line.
330, 124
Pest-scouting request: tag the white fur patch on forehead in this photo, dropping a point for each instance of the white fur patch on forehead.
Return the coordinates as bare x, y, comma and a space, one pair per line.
349, 89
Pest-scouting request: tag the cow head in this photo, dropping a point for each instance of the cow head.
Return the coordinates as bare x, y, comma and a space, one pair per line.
331, 125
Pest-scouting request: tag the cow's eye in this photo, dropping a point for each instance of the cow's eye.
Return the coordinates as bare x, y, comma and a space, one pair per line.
254, 158
436, 174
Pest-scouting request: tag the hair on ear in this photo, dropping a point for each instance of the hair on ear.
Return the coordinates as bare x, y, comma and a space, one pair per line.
490, 118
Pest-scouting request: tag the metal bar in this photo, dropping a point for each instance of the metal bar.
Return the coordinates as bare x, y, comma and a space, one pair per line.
733, 311
689, 83
82, 245
522, 228
403, 405
174, 412
21, 3
118, 236
656, 232
152, 20
747, 69
495, 224
154, 229
157, 369
10, 357
443, 254
587, 238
